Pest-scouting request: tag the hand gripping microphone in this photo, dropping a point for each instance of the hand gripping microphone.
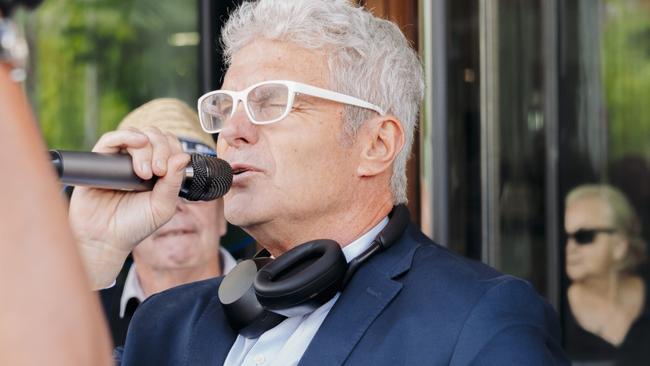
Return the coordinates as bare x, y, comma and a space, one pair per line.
206, 178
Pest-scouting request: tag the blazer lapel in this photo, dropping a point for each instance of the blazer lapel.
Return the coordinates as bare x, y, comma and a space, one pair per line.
371, 289
212, 337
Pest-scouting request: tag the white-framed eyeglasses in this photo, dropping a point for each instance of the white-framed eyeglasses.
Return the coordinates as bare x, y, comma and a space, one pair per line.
265, 102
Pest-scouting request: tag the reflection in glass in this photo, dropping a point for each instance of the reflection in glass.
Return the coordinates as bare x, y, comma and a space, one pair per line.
608, 318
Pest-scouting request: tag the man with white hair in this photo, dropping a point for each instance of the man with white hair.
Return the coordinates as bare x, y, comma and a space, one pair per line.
316, 116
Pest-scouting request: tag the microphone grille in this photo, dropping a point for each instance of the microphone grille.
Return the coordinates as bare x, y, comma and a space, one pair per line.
212, 178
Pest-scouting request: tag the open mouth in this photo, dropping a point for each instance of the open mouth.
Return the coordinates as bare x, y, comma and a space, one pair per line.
239, 171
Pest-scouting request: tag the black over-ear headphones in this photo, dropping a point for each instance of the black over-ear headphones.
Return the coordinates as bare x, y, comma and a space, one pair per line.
257, 290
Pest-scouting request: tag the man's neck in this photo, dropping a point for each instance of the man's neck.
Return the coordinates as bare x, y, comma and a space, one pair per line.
153, 281
343, 227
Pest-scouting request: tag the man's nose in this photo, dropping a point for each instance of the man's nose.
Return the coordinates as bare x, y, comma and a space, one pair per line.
238, 129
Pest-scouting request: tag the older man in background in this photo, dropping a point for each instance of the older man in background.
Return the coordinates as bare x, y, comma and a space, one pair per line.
185, 249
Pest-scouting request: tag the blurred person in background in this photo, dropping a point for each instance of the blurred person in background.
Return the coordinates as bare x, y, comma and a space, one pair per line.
609, 319
185, 249
47, 314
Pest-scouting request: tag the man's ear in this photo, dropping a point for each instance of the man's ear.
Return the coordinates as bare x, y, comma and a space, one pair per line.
382, 139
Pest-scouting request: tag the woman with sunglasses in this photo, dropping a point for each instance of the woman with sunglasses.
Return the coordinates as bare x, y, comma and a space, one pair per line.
608, 317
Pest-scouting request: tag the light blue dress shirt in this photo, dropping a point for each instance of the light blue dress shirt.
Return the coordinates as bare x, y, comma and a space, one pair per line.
285, 344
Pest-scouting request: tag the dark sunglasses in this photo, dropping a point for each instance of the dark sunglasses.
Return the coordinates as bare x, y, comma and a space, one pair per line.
587, 236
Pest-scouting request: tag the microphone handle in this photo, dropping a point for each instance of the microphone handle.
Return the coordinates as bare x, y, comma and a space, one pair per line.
108, 171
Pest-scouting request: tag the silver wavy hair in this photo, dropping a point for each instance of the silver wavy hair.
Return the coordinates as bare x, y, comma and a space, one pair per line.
368, 57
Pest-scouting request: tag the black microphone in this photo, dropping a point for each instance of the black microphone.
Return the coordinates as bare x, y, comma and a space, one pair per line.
206, 178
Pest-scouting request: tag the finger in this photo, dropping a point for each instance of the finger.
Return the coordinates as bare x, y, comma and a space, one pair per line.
114, 141
165, 193
142, 161
161, 150
176, 147
174, 143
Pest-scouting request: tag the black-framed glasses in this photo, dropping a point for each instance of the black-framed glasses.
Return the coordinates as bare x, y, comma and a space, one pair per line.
587, 236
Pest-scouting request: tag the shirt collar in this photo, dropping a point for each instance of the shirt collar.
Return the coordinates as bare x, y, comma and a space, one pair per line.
132, 289
228, 262
364, 241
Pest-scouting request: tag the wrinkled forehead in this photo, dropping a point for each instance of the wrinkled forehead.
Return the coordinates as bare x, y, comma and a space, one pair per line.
264, 59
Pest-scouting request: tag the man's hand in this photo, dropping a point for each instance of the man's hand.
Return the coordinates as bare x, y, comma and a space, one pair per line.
108, 224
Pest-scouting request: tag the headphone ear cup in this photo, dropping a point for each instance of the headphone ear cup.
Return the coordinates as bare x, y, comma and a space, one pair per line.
307, 275
243, 311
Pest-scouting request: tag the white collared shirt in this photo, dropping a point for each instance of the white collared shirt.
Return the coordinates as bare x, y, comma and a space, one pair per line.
285, 344
133, 289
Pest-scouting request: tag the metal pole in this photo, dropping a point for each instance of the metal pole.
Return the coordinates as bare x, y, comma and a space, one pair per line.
550, 59
488, 34
434, 162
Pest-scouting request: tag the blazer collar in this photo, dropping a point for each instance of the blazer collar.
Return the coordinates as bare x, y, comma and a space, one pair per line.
368, 293
212, 336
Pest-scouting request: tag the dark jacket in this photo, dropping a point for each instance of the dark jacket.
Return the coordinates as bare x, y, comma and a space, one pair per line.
414, 304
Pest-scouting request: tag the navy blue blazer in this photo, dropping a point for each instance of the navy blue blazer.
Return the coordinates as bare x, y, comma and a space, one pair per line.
414, 304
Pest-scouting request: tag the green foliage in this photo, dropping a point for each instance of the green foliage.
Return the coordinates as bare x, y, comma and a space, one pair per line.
95, 60
626, 70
